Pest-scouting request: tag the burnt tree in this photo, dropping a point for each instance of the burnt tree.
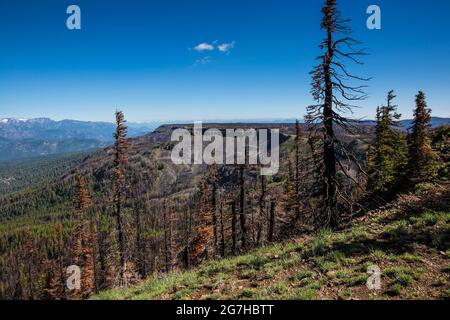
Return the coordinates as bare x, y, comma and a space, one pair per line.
333, 99
121, 146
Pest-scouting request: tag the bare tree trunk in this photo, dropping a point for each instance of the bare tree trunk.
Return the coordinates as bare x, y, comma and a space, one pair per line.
329, 155
120, 234
242, 208
262, 204
222, 231
271, 222
138, 246
167, 237
233, 228
297, 170
214, 215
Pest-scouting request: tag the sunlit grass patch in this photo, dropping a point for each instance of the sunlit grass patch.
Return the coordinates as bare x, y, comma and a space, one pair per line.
409, 257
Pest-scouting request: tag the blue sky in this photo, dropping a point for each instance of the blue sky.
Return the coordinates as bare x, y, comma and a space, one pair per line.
139, 56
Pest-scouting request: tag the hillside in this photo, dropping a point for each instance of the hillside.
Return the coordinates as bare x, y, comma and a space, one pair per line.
37, 208
408, 240
43, 211
22, 174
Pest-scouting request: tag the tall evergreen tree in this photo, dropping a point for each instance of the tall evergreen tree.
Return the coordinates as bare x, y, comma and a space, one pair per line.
387, 157
421, 157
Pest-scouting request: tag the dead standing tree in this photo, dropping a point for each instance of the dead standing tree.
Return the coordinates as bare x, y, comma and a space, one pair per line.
334, 98
212, 180
83, 247
242, 214
121, 146
168, 245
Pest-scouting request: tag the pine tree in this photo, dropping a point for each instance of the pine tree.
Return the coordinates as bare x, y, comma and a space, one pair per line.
422, 158
334, 98
387, 158
51, 289
203, 229
88, 274
81, 204
82, 250
121, 146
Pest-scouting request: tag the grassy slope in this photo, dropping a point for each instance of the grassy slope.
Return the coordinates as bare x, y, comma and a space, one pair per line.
409, 241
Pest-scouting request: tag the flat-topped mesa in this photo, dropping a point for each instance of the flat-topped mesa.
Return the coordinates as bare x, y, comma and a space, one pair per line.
239, 146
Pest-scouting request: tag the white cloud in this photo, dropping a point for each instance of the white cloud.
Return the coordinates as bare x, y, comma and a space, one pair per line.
204, 47
226, 47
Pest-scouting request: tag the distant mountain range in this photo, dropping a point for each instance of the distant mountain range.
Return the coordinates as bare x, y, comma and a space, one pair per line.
48, 129
25, 138
406, 124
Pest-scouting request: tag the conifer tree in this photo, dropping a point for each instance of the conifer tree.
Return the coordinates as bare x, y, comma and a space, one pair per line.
88, 275
334, 98
81, 203
203, 229
51, 289
386, 159
422, 158
83, 244
121, 146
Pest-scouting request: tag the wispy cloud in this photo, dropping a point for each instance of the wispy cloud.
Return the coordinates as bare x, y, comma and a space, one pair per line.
203, 61
226, 47
204, 46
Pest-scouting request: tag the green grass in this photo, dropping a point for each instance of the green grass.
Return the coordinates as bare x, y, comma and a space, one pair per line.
299, 270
